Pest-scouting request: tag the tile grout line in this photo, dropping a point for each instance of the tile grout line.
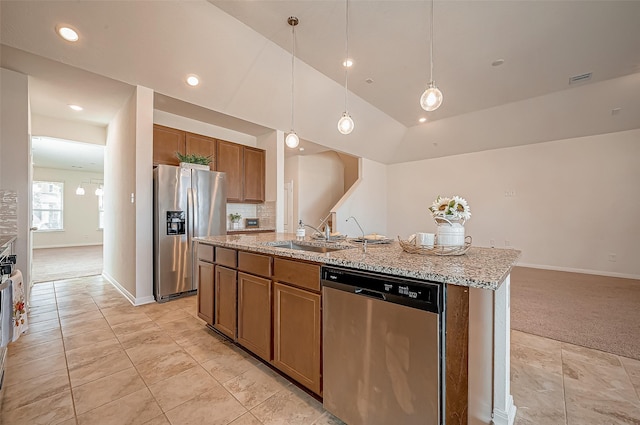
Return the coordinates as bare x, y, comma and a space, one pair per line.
629, 376
564, 390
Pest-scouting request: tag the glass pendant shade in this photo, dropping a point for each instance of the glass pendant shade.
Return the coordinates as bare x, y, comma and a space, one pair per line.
99, 191
80, 191
431, 99
292, 140
345, 124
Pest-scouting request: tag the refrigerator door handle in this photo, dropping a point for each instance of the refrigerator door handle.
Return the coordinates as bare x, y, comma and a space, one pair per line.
190, 216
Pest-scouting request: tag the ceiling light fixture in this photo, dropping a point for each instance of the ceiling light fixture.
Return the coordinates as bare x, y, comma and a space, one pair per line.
423, 119
76, 108
497, 62
67, 33
345, 123
292, 140
192, 80
431, 99
348, 63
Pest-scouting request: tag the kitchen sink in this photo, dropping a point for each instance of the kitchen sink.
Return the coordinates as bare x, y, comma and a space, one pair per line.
304, 247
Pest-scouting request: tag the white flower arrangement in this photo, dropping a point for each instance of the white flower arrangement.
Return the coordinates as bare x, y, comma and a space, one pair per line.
455, 208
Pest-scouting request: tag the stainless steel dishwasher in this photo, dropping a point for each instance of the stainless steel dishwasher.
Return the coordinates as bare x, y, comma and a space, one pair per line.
382, 348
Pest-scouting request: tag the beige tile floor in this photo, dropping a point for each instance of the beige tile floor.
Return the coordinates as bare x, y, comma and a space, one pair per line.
92, 358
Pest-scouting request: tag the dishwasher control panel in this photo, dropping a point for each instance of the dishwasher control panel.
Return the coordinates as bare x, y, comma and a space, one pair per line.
414, 293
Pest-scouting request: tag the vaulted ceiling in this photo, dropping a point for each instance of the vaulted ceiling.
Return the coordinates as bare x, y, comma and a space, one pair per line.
241, 50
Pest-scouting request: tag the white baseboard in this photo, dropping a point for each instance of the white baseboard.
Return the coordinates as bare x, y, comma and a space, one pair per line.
133, 300
584, 271
68, 245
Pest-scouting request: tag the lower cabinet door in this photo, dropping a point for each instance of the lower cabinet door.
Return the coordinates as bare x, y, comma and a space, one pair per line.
225, 291
205, 291
297, 334
254, 314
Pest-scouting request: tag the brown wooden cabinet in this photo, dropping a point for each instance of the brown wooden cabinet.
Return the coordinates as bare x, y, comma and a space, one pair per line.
230, 161
201, 145
166, 142
297, 334
254, 175
205, 291
254, 314
225, 294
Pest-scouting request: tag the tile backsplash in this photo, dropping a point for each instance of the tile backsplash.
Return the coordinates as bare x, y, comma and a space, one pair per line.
8, 212
265, 212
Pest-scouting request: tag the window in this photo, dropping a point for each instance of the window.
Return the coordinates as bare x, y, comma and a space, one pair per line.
47, 205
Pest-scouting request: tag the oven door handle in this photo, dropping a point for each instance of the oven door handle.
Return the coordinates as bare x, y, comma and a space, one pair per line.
370, 293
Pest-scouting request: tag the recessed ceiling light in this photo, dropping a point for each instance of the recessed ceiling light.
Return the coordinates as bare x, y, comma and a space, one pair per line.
301, 149
616, 111
423, 119
76, 107
369, 80
193, 80
497, 62
348, 63
67, 33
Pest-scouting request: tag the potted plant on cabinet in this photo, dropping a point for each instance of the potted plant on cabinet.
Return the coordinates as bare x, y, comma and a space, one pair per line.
194, 160
235, 220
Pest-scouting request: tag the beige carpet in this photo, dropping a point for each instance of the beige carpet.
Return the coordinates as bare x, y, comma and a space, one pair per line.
591, 311
66, 263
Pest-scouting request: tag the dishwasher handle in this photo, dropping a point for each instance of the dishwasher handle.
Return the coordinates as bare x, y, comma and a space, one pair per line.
370, 293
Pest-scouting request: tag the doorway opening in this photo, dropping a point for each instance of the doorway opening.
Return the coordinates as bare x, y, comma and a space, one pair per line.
67, 209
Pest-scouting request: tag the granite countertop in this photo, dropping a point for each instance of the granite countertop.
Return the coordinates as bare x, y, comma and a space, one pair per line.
484, 268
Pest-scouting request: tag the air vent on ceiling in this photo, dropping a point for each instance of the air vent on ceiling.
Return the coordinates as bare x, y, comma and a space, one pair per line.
580, 78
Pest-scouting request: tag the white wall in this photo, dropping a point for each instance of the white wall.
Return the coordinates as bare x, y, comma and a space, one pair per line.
320, 186
80, 213
15, 157
567, 204
198, 127
68, 130
366, 200
291, 174
273, 144
128, 240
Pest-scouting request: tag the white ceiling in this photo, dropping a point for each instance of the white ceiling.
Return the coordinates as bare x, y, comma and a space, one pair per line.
49, 152
245, 67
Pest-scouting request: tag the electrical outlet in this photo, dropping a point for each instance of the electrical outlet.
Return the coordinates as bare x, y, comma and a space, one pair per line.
492, 242
613, 257
511, 193
507, 243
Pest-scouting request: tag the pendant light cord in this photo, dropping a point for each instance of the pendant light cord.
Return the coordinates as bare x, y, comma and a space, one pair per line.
293, 56
431, 39
346, 59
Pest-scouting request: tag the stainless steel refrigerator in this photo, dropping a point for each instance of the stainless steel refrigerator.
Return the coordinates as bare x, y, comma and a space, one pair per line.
187, 203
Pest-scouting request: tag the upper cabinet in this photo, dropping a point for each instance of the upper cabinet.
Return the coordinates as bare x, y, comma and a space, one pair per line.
245, 168
201, 145
244, 165
254, 177
166, 142
230, 161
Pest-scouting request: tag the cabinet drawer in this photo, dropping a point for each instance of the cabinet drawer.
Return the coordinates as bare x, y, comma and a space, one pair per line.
304, 275
254, 263
205, 252
226, 257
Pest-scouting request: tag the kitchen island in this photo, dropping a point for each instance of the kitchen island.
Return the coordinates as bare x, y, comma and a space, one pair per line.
477, 284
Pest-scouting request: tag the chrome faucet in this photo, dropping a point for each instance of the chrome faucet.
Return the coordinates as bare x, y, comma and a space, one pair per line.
327, 233
364, 241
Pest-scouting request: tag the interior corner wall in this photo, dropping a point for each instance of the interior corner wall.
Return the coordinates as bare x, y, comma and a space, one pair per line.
120, 211
366, 200
320, 186
198, 127
80, 213
144, 195
68, 130
569, 204
273, 144
291, 169
15, 158
351, 169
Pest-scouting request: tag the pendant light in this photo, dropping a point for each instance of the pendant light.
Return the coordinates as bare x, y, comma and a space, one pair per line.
292, 139
80, 190
345, 123
431, 99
